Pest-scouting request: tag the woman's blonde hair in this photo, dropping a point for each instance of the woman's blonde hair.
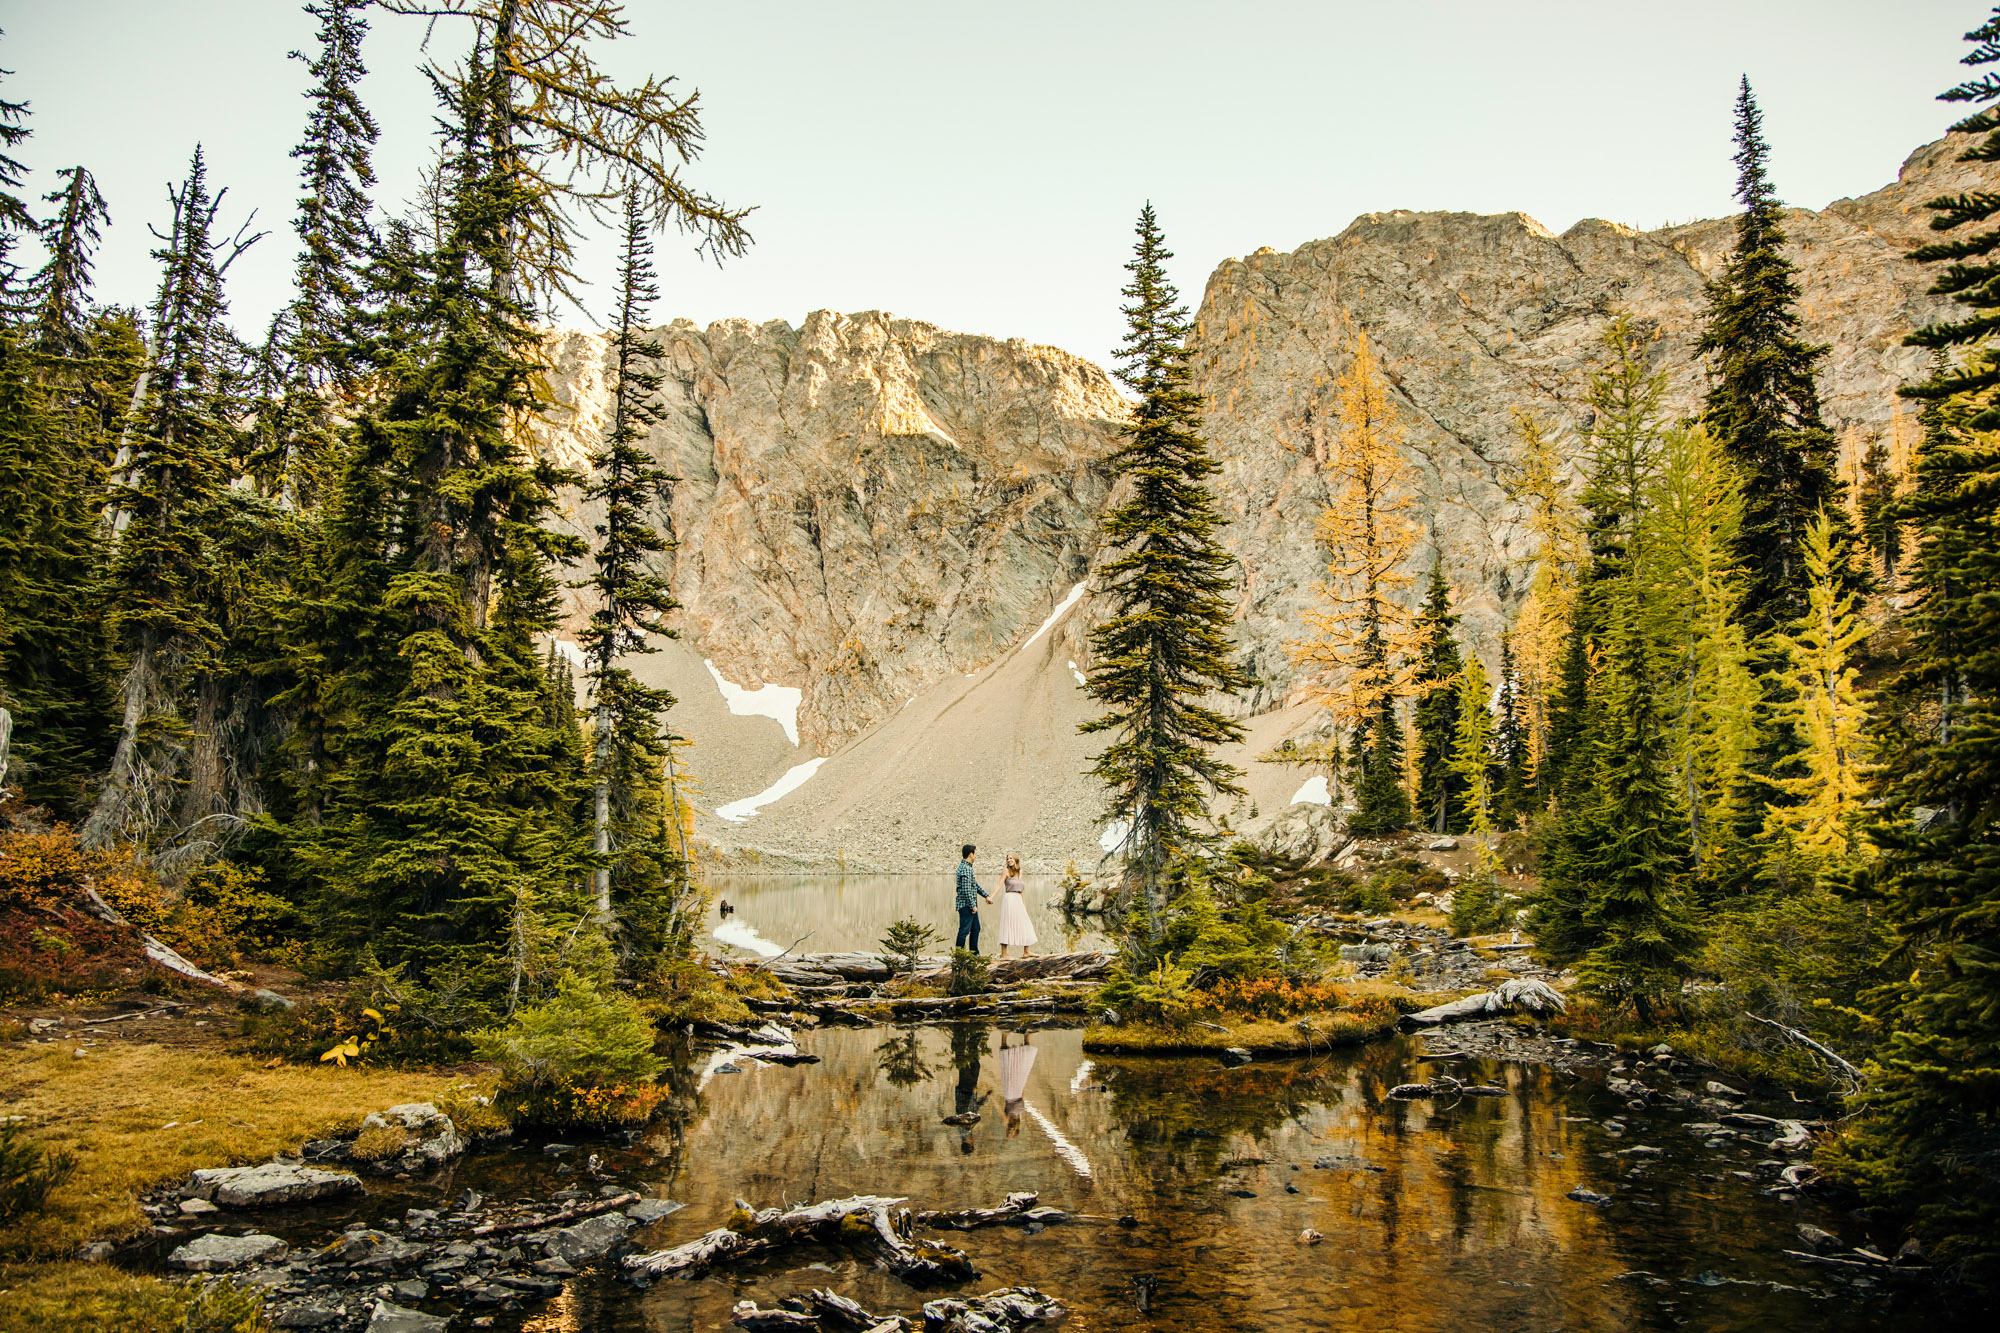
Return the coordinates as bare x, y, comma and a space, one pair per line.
1014, 862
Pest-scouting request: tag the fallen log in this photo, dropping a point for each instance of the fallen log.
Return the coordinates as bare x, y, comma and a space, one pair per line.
965, 1219
561, 1217
747, 1314
1537, 997
918, 1262
1854, 1077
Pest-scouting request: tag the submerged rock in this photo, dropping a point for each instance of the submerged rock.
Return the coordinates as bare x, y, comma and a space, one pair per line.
387, 1318
269, 1185
216, 1253
591, 1238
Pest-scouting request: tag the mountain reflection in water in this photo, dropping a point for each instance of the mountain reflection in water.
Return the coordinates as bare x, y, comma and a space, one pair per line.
1435, 1216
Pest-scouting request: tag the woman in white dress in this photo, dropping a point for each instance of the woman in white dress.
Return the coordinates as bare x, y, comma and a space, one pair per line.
1015, 1063
1015, 928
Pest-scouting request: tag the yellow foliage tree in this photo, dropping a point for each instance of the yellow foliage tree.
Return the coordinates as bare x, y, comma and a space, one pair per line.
1692, 583
1827, 776
1542, 625
1359, 648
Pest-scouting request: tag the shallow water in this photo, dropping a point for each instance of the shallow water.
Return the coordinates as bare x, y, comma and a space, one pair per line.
842, 912
1436, 1216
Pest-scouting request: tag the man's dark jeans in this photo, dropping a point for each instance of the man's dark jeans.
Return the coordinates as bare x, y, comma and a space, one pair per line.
968, 929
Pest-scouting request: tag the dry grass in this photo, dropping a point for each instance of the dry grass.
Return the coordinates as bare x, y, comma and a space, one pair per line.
111, 1108
1259, 1036
61, 1297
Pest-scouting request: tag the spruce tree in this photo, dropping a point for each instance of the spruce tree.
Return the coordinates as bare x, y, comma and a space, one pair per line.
1881, 523
15, 219
165, 570
1362, 641
1441, 786
62, 288
52, 660
1513, 774
1476, 902
1925, 1142
1763, 404
455, 808
632, 603
1165, 648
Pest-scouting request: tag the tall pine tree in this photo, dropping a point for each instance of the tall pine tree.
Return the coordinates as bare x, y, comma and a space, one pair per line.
1763, 404
1442, 788
628, 817
1166, 647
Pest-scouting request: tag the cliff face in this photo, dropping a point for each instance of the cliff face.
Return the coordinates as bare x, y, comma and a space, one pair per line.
880, 514
867, 504
1475, 317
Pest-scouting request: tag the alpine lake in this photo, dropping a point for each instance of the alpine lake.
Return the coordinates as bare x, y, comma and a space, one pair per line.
1189, 1187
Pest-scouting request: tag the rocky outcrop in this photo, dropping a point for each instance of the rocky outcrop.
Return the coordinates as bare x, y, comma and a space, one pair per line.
888, 518
1477, 317
867, 504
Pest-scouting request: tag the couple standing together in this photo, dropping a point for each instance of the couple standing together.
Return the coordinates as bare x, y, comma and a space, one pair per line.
1015, 928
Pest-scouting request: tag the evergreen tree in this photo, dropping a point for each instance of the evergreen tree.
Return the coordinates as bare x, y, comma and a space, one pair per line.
1166, 645
1513, 795
1926, 1141
632, 602
165, 570
454, 811
316, 347
15, 219
1442, 789
1614, 898
1881, 524
1362, 633
1476, 901
1624, 452
52, 667
1819, 832
1762, 402
62, 287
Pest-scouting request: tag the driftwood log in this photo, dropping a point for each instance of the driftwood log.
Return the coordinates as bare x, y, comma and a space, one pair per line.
965, 1219
863, 1217
1537, 997
1008, 1310
562, 1217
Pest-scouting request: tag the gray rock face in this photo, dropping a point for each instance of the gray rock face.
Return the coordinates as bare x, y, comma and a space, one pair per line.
215, 1253
1477, 316
387, 1318
876, 512
590, 1238
269, 1185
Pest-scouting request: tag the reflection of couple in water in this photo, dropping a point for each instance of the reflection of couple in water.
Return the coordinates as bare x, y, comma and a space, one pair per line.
968, 1045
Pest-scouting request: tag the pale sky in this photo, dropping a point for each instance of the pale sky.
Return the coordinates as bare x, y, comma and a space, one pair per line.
980, 166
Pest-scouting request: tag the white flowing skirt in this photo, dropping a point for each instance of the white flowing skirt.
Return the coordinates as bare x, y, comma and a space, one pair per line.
1015, 928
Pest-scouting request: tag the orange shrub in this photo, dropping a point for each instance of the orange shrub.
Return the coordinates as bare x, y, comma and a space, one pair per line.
1272, 997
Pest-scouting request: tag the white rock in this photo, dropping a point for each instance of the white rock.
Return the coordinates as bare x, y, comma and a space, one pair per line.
217, 1253
268, 1185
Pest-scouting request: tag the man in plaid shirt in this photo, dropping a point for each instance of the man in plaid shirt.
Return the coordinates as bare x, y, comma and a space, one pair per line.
968, 909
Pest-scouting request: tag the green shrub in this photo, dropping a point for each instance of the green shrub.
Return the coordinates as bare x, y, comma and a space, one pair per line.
29, 1172
970, 973
581, 1058
906, 941
1476, 905
1164, 997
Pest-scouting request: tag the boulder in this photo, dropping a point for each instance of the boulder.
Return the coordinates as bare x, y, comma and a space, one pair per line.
591, 1238
387, 1318
269, 1185
429, 1136
217, 1253
1305, 834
